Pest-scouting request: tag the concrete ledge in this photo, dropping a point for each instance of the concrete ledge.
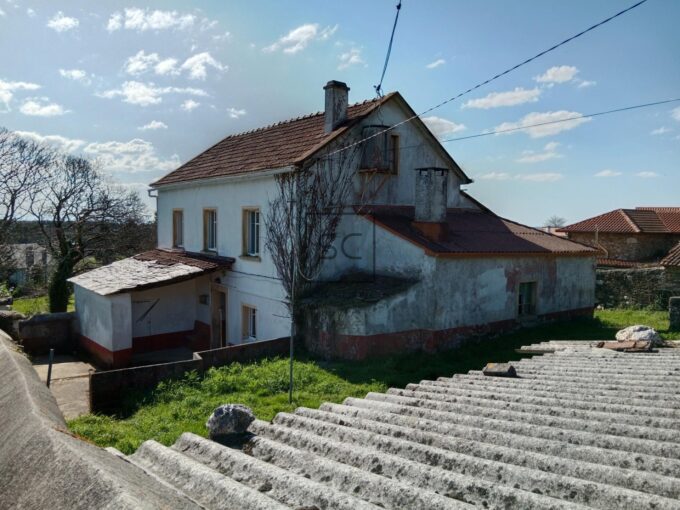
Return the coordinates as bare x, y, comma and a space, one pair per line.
44, 466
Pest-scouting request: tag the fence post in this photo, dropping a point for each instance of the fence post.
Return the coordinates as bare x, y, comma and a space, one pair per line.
49, 367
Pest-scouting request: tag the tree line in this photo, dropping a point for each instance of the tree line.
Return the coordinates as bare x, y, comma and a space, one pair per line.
80, 213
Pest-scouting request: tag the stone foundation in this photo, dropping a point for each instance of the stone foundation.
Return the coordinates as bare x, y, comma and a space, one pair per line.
637, 288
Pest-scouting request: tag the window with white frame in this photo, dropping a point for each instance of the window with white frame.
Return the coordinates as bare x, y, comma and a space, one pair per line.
251, 232
210, 229
248, 323
177, 228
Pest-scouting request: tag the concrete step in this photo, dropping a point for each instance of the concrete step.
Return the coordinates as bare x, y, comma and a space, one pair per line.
468, 488
510, 466
466, 436
201, 483
501, 384
557, 400
287, 488
367, 484
642, 427
401, 405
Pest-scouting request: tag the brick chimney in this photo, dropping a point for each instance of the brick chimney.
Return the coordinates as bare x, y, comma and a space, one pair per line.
336, 104
430, 202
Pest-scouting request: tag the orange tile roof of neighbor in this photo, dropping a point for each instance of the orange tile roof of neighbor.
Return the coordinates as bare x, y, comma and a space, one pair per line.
474, 232
646, 220
673, 257
279, 145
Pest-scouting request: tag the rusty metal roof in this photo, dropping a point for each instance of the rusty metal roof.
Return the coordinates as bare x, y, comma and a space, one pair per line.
149, 269
646, 220
475, 232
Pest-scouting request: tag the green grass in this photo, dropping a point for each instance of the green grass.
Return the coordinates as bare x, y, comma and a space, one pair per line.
35, 305
184, 405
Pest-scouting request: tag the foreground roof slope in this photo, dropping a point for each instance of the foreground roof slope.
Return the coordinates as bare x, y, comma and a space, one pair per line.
647, 220
475, 232
580, 427
672, 259
276, 146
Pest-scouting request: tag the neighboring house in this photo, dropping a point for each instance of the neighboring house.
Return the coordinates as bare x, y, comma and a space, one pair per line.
628, 237
31, 261
438, 265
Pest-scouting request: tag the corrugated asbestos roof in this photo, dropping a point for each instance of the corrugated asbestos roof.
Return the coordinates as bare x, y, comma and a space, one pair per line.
149, 269
673, 257
648, 220
473, 231
580, 428
275, 146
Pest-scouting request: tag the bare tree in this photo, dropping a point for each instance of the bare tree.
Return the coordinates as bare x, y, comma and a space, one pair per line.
22, 163
79, 214
555, 222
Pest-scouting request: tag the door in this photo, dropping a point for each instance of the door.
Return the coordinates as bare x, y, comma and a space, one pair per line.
219, 318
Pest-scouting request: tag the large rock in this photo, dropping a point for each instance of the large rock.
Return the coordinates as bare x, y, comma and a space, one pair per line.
637, 333
228, 420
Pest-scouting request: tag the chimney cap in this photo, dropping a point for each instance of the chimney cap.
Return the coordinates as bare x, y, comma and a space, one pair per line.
336, 83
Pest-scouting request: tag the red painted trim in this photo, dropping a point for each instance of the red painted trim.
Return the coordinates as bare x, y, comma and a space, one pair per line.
359, 347
103, 356
161, 341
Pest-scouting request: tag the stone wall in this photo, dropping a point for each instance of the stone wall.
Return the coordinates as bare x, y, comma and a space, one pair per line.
635, 247
41, 333
637, 288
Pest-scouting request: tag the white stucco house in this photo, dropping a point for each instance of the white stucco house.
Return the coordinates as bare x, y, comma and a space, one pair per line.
458, 268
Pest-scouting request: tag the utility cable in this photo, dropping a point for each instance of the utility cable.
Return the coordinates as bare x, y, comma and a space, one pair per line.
378, 87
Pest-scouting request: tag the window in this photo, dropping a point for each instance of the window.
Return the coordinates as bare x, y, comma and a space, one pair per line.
177, 228
248, 323
251, 232
526, 302
380, 151
210, 229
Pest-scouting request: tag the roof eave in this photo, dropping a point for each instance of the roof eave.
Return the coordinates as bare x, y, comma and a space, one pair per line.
246, 175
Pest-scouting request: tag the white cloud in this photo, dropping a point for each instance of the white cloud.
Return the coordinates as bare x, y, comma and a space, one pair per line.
647, 175
535, 177
189, 105
557, 74
675, 113
76, 75
299, 38
60, 142
549, 152
509, 98
660, 131
436, 63
350, 58
540, 118
153, 125
582, 84
608, 173
2, 13
30, 12
235, 113
145, 94
226, 36
7, 89
40, 107
130, 157
167, 66
145, 19
442, 127
196, 65
140, 62
61, 23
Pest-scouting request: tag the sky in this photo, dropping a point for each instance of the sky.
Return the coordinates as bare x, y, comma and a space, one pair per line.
144, 86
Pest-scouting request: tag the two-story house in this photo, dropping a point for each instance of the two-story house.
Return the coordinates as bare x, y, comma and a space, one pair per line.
442, 265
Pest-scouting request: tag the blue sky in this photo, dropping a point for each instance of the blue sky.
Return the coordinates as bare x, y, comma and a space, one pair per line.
144, 86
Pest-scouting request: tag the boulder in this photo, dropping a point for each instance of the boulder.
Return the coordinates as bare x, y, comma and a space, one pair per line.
639, 333
229, 420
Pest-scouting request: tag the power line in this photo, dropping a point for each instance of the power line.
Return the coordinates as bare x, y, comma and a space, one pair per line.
486, 82
378, 87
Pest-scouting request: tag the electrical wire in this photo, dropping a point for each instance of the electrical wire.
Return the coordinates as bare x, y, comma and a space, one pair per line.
378, 87
486, 82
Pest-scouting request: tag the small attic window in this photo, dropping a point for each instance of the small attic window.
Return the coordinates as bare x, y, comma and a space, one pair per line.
381, 149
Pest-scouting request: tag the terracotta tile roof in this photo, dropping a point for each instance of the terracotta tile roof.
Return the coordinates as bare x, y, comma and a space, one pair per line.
673, 257
475, 232
276, 146
647, 220
606, 262
153, 268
